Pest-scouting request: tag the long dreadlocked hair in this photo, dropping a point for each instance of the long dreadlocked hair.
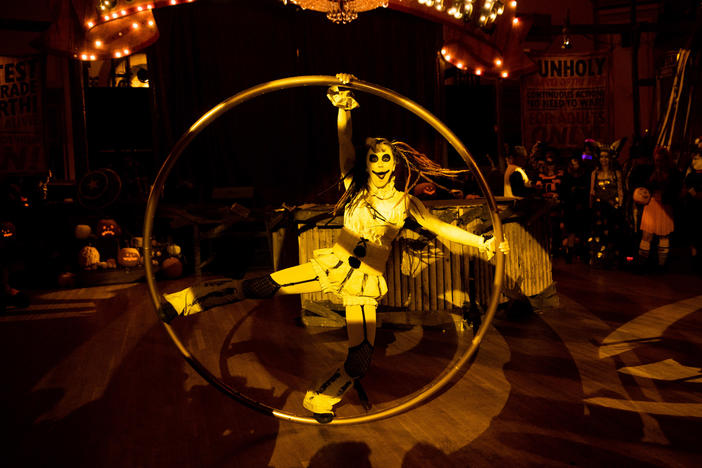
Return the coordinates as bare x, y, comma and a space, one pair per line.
416, 167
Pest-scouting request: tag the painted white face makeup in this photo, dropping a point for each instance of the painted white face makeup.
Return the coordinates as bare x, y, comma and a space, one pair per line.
380, 164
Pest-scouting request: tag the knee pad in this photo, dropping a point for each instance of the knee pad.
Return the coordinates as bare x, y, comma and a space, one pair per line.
263, 287
664, 242
645, 245
358, 360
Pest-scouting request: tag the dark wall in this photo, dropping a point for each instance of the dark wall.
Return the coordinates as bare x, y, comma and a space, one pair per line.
284, 143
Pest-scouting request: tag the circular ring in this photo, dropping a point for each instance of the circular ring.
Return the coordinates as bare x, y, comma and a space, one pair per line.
323, 81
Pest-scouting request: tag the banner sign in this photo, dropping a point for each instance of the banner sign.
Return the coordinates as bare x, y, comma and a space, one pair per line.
567, 100
21, 116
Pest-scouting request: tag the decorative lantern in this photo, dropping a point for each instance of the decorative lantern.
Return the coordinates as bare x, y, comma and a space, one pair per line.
88, 257
173, 250
82, 231
108, 228
172, 267
128, 257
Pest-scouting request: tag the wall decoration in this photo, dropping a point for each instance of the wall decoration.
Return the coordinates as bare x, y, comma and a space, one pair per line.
21, 116
567, 100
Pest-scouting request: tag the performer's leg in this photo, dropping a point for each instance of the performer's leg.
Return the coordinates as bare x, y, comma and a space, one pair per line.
360, 325
213, 293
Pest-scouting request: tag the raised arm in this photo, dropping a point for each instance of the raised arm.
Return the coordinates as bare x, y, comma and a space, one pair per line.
450, 232
344, 100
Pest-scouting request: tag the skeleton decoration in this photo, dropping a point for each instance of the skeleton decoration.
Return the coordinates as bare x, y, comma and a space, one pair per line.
352, 269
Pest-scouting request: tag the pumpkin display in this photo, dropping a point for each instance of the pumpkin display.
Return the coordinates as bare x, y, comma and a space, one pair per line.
111, 263
172, 267
7, 230
88, 257
173, 250
82, 231
128, 257
108, 228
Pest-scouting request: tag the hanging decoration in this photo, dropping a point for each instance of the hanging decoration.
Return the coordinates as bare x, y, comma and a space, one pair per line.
495, 53
339, 11
104, 29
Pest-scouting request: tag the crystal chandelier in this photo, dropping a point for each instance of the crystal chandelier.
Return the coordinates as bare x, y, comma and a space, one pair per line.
339, 11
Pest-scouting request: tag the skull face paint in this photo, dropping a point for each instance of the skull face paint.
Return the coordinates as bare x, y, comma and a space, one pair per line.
380, 164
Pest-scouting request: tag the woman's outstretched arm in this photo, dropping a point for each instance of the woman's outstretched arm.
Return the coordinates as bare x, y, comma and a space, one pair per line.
450, 232
344, 100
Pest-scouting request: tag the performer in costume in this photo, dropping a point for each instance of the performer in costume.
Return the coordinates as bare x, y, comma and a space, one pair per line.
374, 213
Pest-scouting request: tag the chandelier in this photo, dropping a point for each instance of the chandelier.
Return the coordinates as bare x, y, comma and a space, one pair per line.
339, 11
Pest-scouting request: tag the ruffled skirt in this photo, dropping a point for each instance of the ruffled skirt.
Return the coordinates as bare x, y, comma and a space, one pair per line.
657, 218
352, 286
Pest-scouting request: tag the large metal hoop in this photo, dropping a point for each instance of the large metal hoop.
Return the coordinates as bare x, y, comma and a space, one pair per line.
323, 81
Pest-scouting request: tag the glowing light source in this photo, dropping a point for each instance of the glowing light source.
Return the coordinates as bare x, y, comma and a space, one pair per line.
90, 24
513, 4
498, 62
504, 74
345, 11
135, 25
84, 57
515, 20
98, 43
478, 71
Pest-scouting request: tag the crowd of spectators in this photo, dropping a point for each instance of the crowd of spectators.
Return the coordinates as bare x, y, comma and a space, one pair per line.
605, 209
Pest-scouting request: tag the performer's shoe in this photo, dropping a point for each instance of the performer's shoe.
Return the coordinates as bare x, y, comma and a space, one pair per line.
321, 401
200, 297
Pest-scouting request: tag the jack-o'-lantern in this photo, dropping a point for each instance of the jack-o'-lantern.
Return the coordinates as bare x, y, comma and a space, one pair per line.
172, 267
7, 230
108, 228
128, 257
82, 231
88, 257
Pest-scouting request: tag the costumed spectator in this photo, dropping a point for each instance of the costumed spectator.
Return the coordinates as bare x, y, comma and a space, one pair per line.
535, 160
692, 209
606, 196
548, 185
516, 181
574, 201
657, 217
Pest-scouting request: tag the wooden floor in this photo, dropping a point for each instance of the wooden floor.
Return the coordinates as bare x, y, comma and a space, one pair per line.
610, 378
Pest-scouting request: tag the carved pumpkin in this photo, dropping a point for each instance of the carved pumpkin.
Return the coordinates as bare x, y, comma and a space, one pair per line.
7, 230
82, 231
172, 267
108, 228
88, 257
128, 257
